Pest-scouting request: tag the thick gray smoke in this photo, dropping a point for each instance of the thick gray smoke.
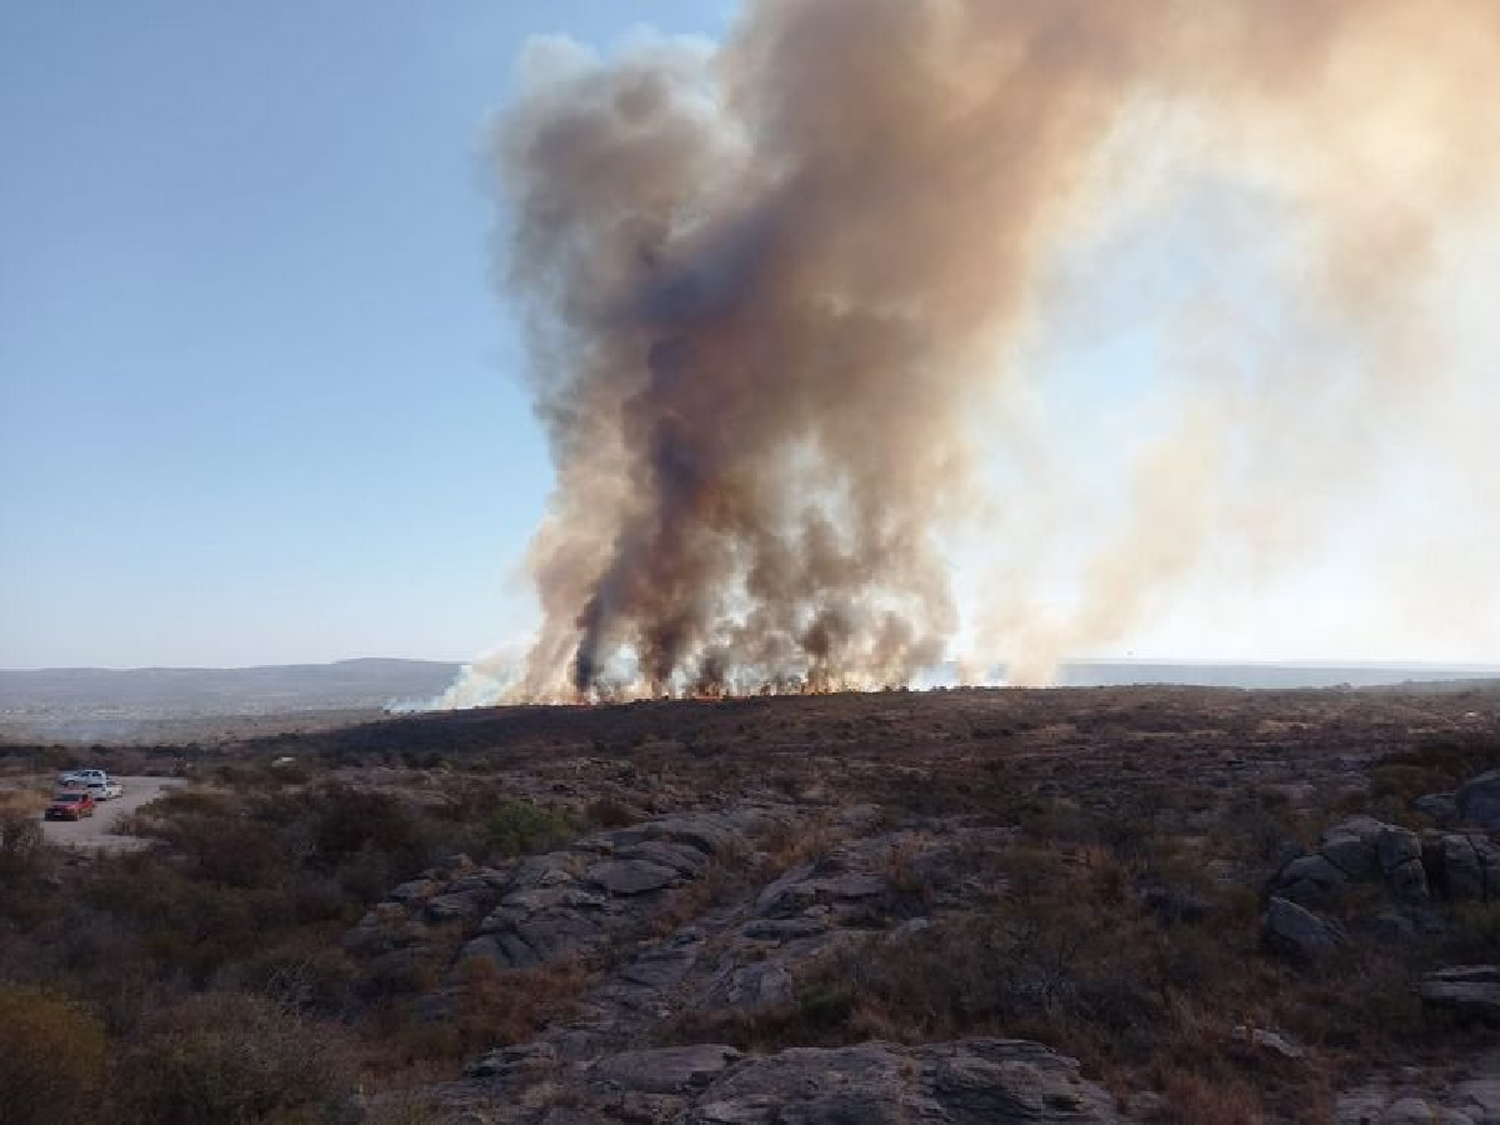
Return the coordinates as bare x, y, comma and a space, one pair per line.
773, 288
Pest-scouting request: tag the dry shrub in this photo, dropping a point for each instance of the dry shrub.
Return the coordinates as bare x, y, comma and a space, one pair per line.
1193, 1099
231, 1059
52, 1059
491, 1007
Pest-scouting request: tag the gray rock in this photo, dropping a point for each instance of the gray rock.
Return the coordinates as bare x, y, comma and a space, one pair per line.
1441, 807
1350, 846
1408, 882
1478, 800
784, 929
710, 833
505, 950
484, 880
631, 876
1468, 868
660, 969
1392, 926
667, 1070
1298, 933
1409, 1111
770, 897
1479, 1098
529, 1057
794, 896
752, 987
1471, 993
1396, 847
552, 934
1272, 1041
548, 898
680, 858
418, 890
964, 1083
1310, 880
453, 907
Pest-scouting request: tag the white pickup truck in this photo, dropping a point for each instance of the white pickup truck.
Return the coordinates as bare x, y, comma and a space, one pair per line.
99, 784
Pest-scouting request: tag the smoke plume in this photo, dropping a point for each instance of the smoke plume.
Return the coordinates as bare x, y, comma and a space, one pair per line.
779, 294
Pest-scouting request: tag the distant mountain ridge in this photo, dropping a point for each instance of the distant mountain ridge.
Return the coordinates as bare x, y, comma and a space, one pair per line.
263, 689
376, 682
1269, 675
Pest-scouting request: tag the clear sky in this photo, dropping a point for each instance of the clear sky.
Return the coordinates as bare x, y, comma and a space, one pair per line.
257, 393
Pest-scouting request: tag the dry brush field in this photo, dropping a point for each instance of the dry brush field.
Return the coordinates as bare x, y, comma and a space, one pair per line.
1143, 904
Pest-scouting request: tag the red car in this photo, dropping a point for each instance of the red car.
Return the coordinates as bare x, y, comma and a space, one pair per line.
71, 806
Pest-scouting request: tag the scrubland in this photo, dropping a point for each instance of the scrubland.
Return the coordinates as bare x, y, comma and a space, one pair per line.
655, 911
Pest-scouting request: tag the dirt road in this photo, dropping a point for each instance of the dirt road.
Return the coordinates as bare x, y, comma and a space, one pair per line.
97, 830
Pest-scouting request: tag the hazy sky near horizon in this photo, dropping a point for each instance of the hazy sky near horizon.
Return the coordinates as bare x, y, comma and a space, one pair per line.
258, 393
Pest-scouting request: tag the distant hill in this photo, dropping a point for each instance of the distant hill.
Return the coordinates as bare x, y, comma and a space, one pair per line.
157, 693
1119, 673
82, 695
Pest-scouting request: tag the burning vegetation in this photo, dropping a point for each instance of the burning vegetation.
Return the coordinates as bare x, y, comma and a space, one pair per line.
775, 290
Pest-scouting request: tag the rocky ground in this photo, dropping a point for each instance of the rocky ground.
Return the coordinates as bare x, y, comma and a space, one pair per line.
1151, 905
1126, 904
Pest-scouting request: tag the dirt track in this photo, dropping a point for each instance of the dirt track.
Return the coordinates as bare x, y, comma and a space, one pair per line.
97, 830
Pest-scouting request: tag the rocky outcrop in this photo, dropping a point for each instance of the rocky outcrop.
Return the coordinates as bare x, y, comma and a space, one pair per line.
1358, 850
1471, 994
966, 1082
1465, 867
1298, 933
1425, 1099
572, 901
1478, 801
409, 928
1311, 879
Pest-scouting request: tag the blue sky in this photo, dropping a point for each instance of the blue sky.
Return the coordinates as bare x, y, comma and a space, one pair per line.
257, 392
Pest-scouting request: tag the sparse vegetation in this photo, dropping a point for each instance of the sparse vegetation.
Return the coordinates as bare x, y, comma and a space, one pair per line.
1088, 870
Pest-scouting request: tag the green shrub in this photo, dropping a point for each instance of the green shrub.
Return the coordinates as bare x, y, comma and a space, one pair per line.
518, 827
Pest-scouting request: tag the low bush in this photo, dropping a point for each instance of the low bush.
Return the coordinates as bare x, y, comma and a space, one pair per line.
52, 1059
233, 1060
518, 827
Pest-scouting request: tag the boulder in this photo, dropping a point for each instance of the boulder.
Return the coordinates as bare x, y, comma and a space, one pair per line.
1298, 933
1471, 993
1310, 880
1396, 847
1468, 867
1478, 800
1272, 1041
1441, 807
454, 907
1479, 1098
1350, 846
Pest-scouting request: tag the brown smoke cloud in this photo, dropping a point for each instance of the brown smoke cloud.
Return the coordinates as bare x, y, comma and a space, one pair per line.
776, 292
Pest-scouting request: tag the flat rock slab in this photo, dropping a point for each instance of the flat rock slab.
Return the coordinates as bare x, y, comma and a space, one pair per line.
970, 1082
631, 876
667, 1070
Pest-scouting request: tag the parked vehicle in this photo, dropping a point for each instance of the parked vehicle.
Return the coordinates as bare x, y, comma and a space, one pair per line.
73, 778
72, 805
105, 790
